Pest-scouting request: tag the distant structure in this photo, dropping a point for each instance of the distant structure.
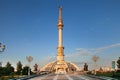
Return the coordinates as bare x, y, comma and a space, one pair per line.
118, 63
85, 67
60, 65
35, 68
113, 65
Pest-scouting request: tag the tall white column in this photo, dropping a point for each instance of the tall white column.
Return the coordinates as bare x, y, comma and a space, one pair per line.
60, 38
60, 48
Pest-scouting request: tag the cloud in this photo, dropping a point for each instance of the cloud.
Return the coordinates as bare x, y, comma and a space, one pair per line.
106, 47
80, 52
81, 63
88, 52
47, 59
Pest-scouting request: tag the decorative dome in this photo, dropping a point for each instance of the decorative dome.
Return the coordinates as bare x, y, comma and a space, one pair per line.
65, 67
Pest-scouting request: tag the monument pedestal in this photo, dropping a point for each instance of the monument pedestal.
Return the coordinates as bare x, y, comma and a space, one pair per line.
61, 67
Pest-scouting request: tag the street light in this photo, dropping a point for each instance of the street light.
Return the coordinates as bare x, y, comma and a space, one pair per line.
95, 59
2, 47
29, 59
0, 64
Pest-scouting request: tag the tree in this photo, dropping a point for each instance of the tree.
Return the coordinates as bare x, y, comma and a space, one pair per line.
8, 69
19, 67
25, 70
8, 65
118, 62
1, 70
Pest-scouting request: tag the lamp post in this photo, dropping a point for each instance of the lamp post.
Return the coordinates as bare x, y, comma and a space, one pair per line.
29, 59
95, 59
2, 47
0, 64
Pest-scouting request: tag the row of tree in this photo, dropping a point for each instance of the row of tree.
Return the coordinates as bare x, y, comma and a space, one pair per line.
8, 69
118, 63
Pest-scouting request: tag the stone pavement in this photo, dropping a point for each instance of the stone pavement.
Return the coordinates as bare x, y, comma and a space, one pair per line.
64, 77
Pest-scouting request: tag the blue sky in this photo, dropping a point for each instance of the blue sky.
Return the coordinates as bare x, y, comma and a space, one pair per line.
29, 28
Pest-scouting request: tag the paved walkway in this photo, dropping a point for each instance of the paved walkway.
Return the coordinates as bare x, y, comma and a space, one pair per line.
63, 77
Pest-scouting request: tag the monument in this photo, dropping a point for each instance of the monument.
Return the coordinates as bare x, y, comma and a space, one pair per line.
60, 65
85, 67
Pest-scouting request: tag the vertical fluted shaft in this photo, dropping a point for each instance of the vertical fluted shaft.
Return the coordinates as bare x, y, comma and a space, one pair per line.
60, 48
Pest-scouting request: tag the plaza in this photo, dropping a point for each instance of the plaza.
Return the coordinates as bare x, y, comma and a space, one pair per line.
64, 77
83, 45
70, 77
62, 70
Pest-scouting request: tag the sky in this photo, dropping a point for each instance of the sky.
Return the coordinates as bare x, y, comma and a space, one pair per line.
29, 28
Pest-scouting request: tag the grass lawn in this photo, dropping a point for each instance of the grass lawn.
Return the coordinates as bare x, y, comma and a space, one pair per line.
109, 74
8, 77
